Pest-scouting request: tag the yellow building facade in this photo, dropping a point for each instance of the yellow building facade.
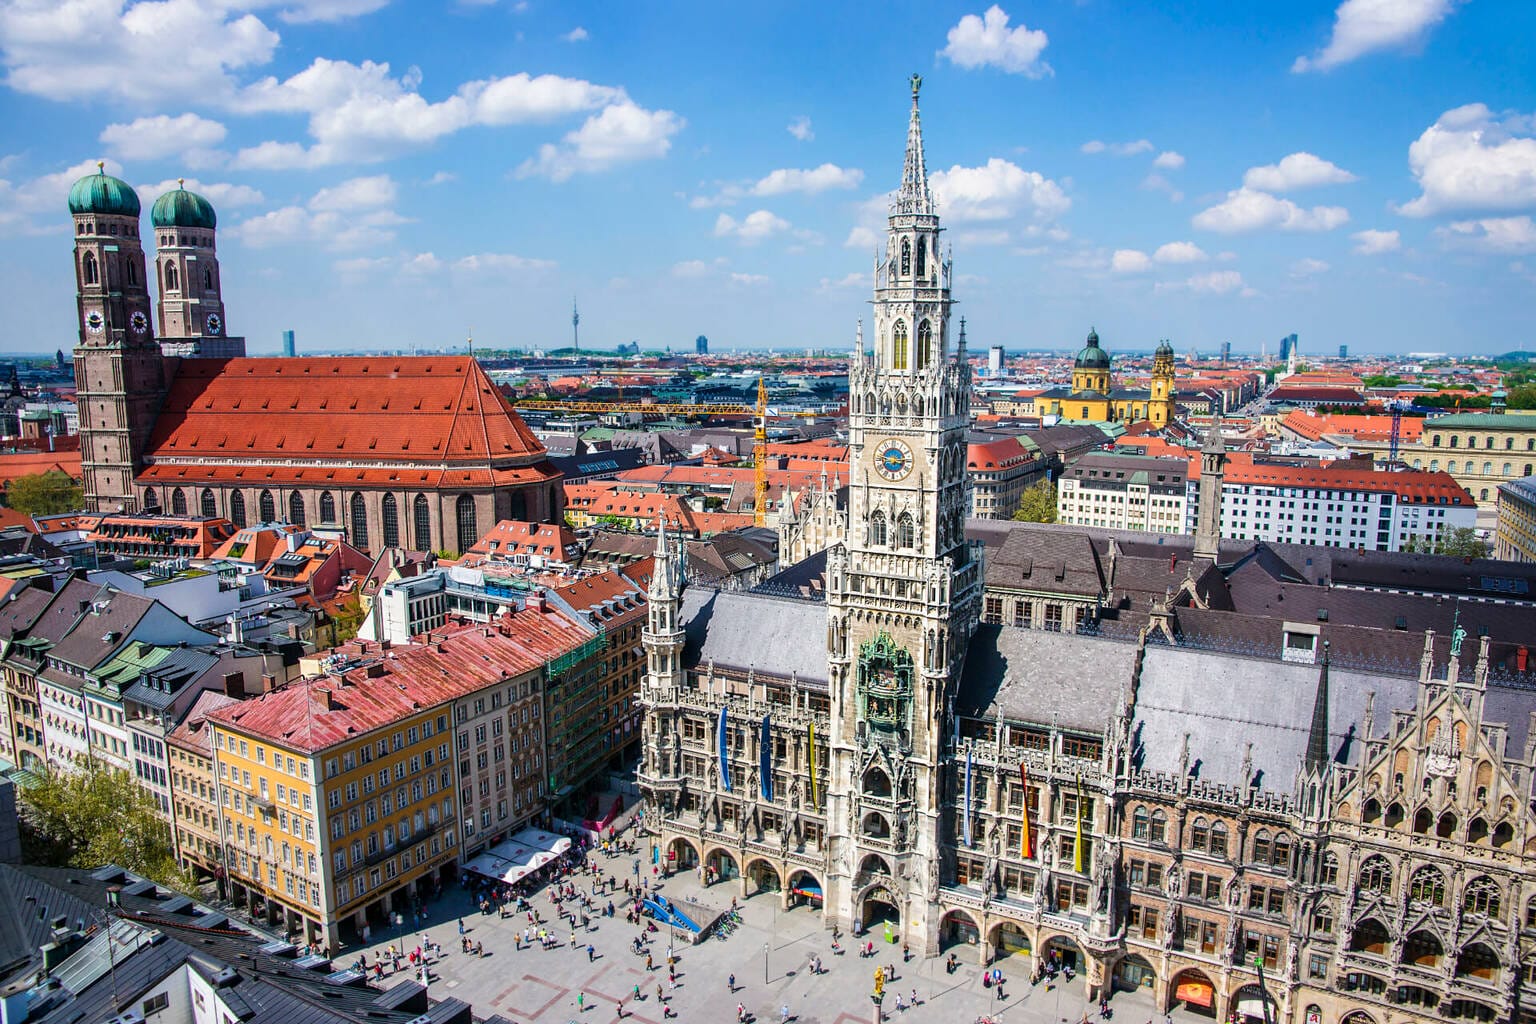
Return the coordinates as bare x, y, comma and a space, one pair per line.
1094, 398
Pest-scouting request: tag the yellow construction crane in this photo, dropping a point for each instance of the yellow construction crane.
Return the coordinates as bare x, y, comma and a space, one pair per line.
660, 408
760, 457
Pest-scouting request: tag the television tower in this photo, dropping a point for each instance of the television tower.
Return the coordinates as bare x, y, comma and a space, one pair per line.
575, 325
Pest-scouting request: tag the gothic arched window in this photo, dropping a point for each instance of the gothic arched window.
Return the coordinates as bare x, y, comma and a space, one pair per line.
133, 272
178, 502
1218, 845
1158, 831
358, 510
1139, 820
924, 344
327, 507
207, 280
89, 272
1482, 897
1427, 886
922, 259
421, 523
464, 516
208, 503
519, 508
906, 257
150, 500
237, 510
296, 508
1376, 875
906, 531
391, 522
899, 346
877, 529
267, 506
172, 283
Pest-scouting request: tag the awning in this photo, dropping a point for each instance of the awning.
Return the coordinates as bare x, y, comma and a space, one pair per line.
520, 856
809, 891
1195, 993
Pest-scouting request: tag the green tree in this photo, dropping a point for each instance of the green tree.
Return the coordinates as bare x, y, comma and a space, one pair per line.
97, 815
346, 621
45, 494
1038, 504
1458, 541
1522, 397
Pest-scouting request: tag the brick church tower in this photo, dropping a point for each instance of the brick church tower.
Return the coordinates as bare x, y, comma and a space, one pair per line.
119, 369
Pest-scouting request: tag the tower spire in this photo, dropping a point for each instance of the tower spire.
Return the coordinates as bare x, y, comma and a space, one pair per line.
914, 196
1317, 735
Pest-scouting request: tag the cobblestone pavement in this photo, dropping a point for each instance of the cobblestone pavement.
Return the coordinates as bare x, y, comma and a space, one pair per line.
538, 986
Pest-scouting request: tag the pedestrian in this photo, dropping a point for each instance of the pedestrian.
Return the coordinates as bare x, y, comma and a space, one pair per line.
730, 983
900, 1006
659, 997
479, 949
648, 962
784, 1012
581, 1002
741, 1013
590, 954
914, 997
461, 920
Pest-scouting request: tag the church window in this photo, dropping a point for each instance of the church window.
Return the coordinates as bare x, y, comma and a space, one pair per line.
296, 508
906, 531
1139, 823
1330, 870
906, 257
133, 272
1157, 831
1376, 875
172, 283
922, 259
88, 270
358, 510
327, 507
554, 504
877, 536
178, 502
464, 516
1482, 897
209, 505
237, 510
899, 346
267, 507
421, 523
391, 510
924, 343
519, 506
1218, 842
150, 501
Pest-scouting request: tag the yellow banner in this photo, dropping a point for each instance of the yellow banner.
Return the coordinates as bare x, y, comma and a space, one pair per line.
1026, 844
1077, 846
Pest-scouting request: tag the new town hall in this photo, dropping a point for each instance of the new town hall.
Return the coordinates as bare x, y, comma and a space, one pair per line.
1125, 752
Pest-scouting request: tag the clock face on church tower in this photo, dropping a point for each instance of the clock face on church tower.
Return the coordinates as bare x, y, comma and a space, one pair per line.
94, 321
213, 323
139, 321
893, 459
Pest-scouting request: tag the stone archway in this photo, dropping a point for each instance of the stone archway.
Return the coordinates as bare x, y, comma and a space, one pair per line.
879, 909
764, 877
682, 855
958, 928
1254, 1005
1193, 989
1008, 938
1134, 972
721, 866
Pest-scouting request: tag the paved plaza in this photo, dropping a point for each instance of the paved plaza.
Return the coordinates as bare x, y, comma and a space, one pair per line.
538, 986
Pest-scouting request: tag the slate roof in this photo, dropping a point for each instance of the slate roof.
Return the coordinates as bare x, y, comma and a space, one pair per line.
1073, 682
777, 635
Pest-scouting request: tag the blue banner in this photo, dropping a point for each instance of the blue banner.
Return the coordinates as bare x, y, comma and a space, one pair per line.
967, 833
725, 763
765, 760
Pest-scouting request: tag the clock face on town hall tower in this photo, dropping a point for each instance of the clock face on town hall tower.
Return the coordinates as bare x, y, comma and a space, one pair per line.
893, 459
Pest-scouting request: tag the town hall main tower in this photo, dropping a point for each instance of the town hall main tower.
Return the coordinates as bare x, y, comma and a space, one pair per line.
903, 589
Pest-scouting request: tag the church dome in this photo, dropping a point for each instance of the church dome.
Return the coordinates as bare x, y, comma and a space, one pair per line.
102, 193
1091, 357
179, 208
1164, 348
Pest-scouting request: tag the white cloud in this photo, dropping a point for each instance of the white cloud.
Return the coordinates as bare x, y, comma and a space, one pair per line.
37, 205
1308, 267
1179, 252
421, 264
818, 179
141, 52
987, 41
1365, 26
800, 128
329, 10
854, 280
690, 268
621, 133
499, 262
752, 228
1492, 234
1217, 282
1169, 160
361, 113
1245, 209
1129, 261
220, 194
982, 236
1155, 182
749, 279
1371, 242
441, 178
152, 138
1468, 160
997, 190
356, 194
1094, 146
576, 35
862, 238
1298, 170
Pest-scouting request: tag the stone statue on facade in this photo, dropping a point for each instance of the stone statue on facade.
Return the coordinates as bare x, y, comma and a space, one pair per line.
1175, 880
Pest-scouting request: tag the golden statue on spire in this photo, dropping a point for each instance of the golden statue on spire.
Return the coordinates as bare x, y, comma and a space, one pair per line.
917, 83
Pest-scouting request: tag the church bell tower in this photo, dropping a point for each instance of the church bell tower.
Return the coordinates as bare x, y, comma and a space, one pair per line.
903, 588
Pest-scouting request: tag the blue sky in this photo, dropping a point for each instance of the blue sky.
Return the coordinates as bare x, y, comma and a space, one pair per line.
390, 174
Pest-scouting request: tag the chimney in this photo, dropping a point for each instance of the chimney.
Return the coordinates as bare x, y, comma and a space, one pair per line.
268, 682
293, 542
234, 685
326, 698
535, 601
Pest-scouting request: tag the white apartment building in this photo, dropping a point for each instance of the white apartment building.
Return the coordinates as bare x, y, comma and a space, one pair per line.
1126, 492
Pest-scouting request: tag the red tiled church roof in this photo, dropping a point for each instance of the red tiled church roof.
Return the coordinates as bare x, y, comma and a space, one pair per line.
429, 410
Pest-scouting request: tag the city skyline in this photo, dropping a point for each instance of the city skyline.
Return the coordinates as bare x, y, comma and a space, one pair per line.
1357, 180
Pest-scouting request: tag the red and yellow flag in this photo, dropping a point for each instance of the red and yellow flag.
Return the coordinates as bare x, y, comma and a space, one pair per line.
1027, 844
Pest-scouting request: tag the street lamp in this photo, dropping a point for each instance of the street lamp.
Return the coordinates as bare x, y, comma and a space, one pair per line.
765, 963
